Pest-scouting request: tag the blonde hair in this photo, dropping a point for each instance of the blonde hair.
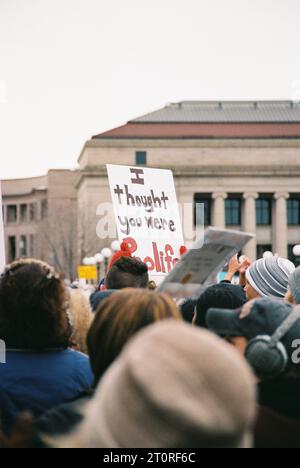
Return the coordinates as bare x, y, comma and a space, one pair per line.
81, 317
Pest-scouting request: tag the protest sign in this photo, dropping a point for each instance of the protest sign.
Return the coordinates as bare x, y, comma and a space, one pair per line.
2, 243
198, 268
147, 215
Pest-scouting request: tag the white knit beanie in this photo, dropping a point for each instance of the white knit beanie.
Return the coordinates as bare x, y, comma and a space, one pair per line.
269, 276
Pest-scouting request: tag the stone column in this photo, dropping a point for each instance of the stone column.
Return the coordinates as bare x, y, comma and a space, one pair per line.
4, 213
280, 224
18, 213
249, 222
219, 219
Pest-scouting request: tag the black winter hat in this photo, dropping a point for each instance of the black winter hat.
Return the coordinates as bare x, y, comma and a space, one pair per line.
187, 309
224, 296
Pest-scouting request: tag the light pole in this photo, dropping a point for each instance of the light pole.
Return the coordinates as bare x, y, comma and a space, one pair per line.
86, 261
107, 253
267, 254
92, 261
115, 246
296, 252
99, 260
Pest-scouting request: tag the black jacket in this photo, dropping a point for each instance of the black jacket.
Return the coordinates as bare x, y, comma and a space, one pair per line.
278, 424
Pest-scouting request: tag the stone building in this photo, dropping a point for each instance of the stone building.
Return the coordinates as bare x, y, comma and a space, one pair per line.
24, 213
40, 218
241, 159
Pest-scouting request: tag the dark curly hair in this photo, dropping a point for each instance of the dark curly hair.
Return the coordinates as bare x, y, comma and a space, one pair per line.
33, 307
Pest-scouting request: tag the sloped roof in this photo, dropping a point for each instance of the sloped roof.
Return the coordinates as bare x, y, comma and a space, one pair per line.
194, 131
225, 112
203, 119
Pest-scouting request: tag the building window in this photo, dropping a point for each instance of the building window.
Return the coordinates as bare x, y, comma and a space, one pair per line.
32, 211
23, 213
261, 249
12, 248
12, 213
293, 210
233, 212
263, 212
23, 246
141, 158
198, 213
44, 209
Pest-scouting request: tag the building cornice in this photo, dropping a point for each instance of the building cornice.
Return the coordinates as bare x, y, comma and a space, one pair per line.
23, 194
242, 171
190, 143
206, 171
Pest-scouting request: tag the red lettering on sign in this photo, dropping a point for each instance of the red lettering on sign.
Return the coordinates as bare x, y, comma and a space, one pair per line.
160, 261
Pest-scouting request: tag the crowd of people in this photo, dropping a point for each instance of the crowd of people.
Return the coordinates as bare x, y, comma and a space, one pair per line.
130, 367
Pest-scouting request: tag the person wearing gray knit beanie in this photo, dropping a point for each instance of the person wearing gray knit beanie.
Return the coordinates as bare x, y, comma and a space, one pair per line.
293, 294
173, 386
268, 277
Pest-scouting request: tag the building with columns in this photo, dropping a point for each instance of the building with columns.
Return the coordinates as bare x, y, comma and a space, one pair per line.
24, 212
241, 159
40, 219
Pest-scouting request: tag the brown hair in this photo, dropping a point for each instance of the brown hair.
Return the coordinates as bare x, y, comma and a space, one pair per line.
33, 307
119, 317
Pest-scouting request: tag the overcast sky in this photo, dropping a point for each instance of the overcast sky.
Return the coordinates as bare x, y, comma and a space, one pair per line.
73, 68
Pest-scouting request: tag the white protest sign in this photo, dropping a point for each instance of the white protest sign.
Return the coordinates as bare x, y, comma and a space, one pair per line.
147, 215
197, 268
2, 244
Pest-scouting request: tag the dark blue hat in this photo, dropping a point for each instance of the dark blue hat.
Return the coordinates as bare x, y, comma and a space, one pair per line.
263, 317
98, 297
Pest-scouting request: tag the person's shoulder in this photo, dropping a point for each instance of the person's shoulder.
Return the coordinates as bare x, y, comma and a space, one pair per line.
18, 360
77, 356
80, 362
77, 361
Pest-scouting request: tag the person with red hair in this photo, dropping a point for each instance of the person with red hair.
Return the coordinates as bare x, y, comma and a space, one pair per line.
123, 252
